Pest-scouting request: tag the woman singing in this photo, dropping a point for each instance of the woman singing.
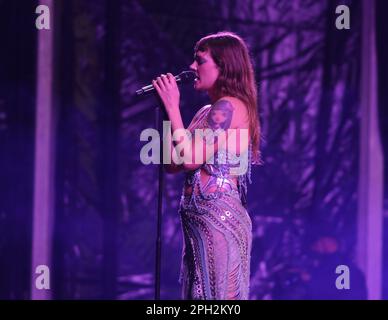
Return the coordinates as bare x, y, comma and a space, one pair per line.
216, 226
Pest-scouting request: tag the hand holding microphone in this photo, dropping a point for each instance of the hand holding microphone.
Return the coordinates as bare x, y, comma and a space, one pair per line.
183, 77
167, 88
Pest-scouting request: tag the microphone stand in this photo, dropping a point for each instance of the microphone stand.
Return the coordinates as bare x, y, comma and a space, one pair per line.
160, 115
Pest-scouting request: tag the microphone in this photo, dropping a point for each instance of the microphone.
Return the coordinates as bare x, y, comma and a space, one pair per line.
183, 77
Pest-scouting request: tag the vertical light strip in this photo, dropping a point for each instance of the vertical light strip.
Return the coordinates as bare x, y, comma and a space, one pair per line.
370, 190
44, 194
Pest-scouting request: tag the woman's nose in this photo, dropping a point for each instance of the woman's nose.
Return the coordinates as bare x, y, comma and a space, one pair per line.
193, 66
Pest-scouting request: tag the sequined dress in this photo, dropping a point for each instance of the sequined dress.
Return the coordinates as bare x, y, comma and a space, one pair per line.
217, 232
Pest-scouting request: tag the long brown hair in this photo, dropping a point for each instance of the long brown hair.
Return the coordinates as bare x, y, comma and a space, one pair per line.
236, 76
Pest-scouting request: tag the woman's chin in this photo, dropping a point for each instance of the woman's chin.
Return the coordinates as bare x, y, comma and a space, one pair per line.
198, 86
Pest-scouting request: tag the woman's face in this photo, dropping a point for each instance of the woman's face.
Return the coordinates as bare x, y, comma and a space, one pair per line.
206, 69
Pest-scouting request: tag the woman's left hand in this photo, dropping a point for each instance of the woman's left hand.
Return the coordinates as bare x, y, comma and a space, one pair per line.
168, 91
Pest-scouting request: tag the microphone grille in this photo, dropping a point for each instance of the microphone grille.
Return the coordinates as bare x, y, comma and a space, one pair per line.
187, 76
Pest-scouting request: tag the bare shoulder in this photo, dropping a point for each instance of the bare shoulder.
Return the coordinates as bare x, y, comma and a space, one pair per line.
240, 113
238, 105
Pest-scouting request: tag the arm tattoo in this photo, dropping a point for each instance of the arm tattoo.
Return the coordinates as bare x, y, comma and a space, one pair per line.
220, 115
218, 120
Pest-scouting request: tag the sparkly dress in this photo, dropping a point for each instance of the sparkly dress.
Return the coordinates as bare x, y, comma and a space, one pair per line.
217, 231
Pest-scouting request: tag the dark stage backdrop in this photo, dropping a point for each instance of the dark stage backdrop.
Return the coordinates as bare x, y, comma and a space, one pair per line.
308, 78
17, 130
382, 53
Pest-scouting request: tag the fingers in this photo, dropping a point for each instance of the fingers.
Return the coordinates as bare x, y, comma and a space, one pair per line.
168, 91
171, 78
161, 83
164, 82
168, 80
